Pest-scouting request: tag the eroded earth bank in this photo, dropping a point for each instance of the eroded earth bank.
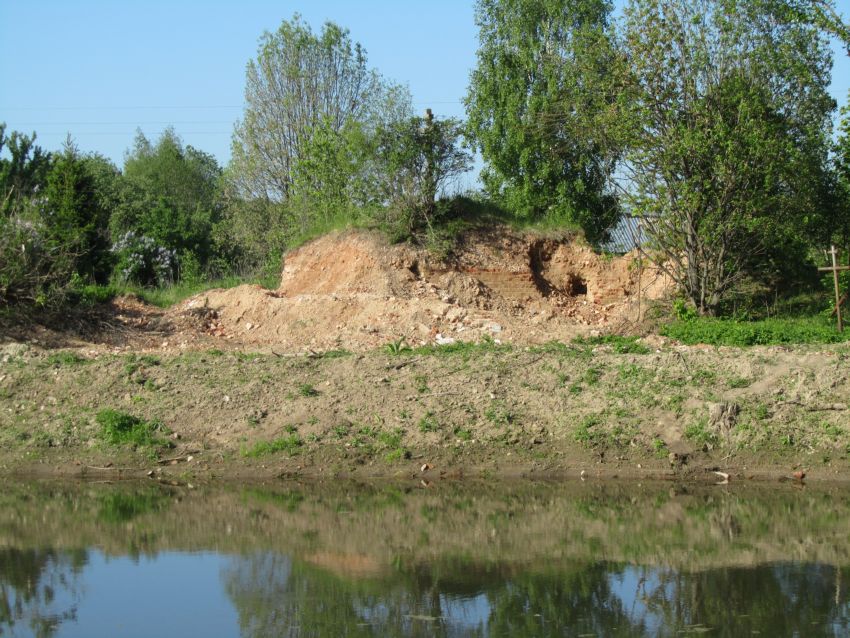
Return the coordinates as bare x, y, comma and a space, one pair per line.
371, 360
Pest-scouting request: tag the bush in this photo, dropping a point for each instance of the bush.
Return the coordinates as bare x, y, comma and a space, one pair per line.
142, 261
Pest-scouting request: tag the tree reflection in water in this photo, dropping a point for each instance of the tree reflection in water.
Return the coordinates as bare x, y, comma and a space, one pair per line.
278, 596
39, 590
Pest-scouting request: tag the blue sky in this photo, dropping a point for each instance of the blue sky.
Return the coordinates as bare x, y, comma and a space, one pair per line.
101, 68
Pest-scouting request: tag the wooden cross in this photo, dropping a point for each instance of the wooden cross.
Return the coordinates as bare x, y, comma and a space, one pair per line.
834, 269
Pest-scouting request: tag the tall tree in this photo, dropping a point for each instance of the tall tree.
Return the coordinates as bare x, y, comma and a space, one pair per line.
545, 73
169, 193
728, 135
23, 172
419, 157
299, 81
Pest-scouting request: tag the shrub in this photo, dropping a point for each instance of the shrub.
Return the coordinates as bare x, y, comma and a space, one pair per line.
141, 260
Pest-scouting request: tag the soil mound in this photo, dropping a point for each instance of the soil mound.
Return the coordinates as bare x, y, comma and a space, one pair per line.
353, 290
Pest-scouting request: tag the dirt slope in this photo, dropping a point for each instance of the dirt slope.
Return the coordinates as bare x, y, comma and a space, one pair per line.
354, 291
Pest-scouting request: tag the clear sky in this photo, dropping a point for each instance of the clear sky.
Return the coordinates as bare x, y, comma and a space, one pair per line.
99, 69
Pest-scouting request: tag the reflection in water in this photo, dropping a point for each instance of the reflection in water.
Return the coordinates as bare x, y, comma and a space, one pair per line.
39, 590
458, 560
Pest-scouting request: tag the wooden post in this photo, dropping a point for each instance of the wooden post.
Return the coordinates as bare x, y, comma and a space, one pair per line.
834, 269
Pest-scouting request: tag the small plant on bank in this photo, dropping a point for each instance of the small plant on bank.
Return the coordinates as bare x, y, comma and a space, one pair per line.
120, 428
396, 348
618, 343
698, 432
59, 359
290, 444
307, 390
428, 423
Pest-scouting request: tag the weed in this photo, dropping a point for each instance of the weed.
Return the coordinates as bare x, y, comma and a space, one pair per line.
289, 444
620, 344
118, 428
498, 414
463, 434
731, 332
585, 432
659, 447
762, 412
739, 382
428, 423
58, 359
341, 431
396, 348
698, 432
336, 354
215, 352
307, 390
421, 383
592, 375
464, 349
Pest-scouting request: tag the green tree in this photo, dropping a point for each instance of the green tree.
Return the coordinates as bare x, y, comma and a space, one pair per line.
75, 220
728, 136
299, 81
546, 73
23, 172
170, 193
419, 156
839, 228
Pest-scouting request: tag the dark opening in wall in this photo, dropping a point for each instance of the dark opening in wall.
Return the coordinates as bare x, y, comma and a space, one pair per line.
576, 286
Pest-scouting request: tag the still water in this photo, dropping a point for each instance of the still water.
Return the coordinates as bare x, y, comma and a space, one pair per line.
503, 559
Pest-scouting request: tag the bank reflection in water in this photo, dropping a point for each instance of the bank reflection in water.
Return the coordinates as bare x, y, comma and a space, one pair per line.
510, 560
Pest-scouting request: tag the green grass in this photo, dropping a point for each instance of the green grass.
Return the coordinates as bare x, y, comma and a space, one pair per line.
698, 432
307, 390
289, 444
620, 344
121, 428
429, 423
166, 296
731, 332
464, 349
59, 359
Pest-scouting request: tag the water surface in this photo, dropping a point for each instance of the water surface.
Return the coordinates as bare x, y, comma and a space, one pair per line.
510, 559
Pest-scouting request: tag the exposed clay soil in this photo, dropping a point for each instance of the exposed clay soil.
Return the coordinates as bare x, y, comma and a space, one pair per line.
230, 369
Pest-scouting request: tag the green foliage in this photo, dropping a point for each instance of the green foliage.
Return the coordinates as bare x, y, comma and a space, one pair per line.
120, 428
587, 431
169, 195
59, 359
698, 432
289, 444
22, 173
731, 332
396, 348
307, 390
417, 158
545, 80
429, 423
724, 166
464, 349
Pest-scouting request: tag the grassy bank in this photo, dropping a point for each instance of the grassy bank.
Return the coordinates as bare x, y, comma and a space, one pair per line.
614, 403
